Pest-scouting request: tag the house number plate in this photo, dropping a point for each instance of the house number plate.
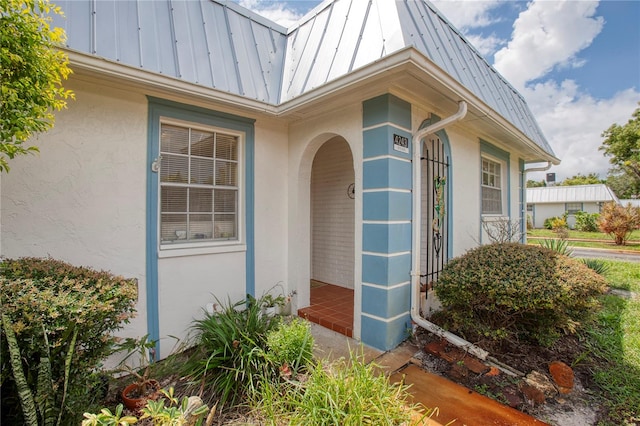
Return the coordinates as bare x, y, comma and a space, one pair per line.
400, 143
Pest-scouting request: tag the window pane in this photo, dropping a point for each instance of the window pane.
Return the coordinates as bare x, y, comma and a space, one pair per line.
173, 227
202, 143
225, 201
174, 139
225, 226
201, 171
200, 200
226, 173
173, 199
174, 169
226, 147
200, 227
491, 200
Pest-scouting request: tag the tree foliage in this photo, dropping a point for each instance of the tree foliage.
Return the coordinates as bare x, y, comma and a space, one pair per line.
32, 70
580, 179
619, 221
536, 183
622, 144
623, 183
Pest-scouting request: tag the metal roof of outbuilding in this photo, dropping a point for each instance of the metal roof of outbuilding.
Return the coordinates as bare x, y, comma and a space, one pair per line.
220, 45
571, 194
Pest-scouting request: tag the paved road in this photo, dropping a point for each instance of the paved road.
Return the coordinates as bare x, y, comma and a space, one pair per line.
606, 254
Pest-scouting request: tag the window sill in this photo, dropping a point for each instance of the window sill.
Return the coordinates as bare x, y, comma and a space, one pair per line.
168, 251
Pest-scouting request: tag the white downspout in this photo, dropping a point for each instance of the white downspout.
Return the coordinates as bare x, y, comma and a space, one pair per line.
539, 169
416, 237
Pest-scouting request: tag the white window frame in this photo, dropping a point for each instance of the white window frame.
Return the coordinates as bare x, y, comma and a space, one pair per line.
503, 186
206, 246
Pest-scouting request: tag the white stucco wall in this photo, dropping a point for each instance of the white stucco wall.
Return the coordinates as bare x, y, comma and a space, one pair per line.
332, 215
543, 211
82, 199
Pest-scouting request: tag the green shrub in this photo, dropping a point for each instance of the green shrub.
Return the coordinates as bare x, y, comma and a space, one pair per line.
291, 345
347, 392
554, 222
557, 245
230, 353
587, 222
59, 319
512, 291
598, 265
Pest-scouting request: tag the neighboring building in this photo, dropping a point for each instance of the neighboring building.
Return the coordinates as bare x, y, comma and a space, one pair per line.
210, 151
634, 203
554, 201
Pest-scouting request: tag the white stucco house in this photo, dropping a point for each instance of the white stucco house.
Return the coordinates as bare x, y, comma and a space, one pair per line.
554, 201
210, 151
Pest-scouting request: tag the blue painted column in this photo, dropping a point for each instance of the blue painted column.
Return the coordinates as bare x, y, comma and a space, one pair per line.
386, 229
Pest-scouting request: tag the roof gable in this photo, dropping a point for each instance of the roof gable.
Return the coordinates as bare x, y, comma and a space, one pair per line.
571, 194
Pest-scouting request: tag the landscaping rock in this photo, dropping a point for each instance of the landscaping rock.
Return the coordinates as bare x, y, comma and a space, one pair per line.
512, 396
562, 375
542, 383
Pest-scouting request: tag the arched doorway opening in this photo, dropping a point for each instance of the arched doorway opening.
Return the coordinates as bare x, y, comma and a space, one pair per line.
332, 239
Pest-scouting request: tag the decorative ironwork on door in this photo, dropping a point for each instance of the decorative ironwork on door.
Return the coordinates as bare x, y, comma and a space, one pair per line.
435, 205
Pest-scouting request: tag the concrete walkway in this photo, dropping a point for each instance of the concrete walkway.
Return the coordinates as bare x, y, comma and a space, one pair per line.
456, 404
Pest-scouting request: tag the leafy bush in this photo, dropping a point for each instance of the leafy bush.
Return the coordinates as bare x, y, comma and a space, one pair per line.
511, 291
598, 265
554, 222
587, 222
291, 345
230, 352
57, 325
347, 392
166, 411
557, 245
619, 221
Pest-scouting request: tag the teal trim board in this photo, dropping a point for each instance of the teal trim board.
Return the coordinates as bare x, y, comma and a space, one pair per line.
379, 141
386, 244
386, 238
500, 154
385, 303
386, 205
386, 108
386, 173
159, 108
385, 335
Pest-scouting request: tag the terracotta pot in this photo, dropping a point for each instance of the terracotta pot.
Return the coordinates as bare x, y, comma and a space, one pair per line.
135, 404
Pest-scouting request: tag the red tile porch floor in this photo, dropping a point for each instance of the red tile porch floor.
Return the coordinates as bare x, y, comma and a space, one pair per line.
331, 307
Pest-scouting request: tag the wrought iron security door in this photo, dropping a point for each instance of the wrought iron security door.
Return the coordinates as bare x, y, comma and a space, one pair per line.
435, 206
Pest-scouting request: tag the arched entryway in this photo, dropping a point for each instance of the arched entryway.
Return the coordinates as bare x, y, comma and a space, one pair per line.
332, 220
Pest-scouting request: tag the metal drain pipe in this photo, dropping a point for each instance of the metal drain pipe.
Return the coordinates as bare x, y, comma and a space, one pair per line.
416, 236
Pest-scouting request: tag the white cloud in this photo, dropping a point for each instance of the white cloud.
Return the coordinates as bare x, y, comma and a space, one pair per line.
545, 35
573, 122
485, 45
277, 12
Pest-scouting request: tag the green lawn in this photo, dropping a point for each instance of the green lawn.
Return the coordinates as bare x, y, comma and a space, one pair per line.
614, 345
592, 239
635, 235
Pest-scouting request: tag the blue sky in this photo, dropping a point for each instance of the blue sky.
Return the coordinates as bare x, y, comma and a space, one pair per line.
576, 62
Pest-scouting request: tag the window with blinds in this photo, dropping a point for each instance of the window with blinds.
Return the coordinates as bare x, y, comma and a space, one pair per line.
198, 185
491, 187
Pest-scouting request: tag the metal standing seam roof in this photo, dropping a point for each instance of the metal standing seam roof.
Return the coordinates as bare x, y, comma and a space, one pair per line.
571, 194
218, 44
